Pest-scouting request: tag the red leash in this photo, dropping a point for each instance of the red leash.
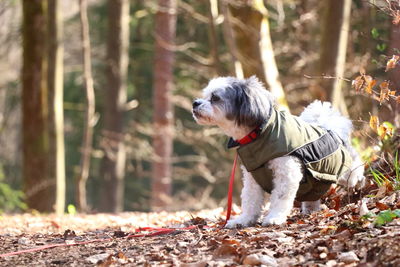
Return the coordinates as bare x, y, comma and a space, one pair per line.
155, 230
230, 190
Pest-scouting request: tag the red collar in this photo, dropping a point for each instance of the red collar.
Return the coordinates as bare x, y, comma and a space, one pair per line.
250, 137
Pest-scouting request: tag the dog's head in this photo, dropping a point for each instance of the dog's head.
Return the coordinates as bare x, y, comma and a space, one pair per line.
230, 103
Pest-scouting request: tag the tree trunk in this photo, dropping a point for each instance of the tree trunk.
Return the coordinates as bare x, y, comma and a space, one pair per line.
254, 45
246, 22
89, 112
39, 188
335, 32
394, 74
212, 12
227, 30
165, 28
56, 115
113, 164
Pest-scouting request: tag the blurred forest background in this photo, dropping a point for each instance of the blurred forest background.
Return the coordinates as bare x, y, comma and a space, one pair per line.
95, 95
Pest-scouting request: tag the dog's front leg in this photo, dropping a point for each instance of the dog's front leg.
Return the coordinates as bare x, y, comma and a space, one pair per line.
252, 201
287, 173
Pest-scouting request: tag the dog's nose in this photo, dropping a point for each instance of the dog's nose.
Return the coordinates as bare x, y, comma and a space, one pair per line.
196, 103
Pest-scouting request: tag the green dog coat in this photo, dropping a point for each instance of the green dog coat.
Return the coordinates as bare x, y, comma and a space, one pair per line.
322, 152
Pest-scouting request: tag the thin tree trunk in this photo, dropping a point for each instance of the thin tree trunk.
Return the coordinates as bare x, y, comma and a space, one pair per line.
268, 58
56, 117
246, 22
212, 12
113, 164
165, 28
38, 187
89, 112
254, 45
228, 32
394, 74
335, 32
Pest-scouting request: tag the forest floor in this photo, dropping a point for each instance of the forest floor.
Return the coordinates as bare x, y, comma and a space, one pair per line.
335, 236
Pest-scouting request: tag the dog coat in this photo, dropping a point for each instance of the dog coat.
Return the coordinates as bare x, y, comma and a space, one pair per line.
322, 152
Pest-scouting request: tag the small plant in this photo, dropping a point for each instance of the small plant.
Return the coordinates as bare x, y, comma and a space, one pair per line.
10, 199
386, 216
382, 218
392, 178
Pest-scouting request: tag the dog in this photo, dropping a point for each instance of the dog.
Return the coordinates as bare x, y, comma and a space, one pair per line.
287, 156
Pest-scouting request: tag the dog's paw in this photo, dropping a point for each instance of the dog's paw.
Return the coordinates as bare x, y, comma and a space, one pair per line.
276, 219
241, 221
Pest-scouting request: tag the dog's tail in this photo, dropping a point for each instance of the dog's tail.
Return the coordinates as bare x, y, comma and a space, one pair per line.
325, 116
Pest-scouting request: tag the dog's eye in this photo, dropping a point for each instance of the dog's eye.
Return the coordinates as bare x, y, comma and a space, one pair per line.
215, 98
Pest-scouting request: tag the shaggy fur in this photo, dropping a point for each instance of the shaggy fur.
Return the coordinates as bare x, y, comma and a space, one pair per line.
237, 106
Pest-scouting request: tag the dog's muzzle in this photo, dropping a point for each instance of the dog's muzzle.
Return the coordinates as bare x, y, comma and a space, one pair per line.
196, 103
195, 107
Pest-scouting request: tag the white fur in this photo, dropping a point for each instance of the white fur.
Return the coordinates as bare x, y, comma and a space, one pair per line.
251, 207
287, 170
287, 173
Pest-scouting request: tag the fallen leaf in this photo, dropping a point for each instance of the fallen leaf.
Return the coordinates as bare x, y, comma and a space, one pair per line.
348, 257
363, 207
391, 64
225, 250
24, 241
396, 17
374, 123
370, 83
259, 259
358, 83
69, 234
94, 259
384, 93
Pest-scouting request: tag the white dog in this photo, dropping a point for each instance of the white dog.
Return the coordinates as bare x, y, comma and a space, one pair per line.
290, 157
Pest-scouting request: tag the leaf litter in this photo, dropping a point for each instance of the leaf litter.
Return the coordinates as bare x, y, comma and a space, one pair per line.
344, 233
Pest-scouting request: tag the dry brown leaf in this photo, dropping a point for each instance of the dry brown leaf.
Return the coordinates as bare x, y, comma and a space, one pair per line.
396, 17
374, 123
384, 130
358, 83
370, 83
230, 242
391, 64
384, 94
225, 250
381, 206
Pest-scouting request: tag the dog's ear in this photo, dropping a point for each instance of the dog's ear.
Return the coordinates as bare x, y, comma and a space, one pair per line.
247, 110
253, 82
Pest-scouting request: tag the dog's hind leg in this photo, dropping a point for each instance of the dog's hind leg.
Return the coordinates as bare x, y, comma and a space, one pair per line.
354, 178
252, 201
287, 176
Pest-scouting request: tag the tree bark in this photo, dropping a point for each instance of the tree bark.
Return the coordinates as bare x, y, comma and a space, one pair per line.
89, 112
246, 22
254, 45
394, 74
39, 188
165, 28
228, 32
56, 115
212, 12
335, 33
113, 164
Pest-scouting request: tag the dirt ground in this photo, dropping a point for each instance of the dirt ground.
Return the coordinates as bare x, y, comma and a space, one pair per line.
336, 236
